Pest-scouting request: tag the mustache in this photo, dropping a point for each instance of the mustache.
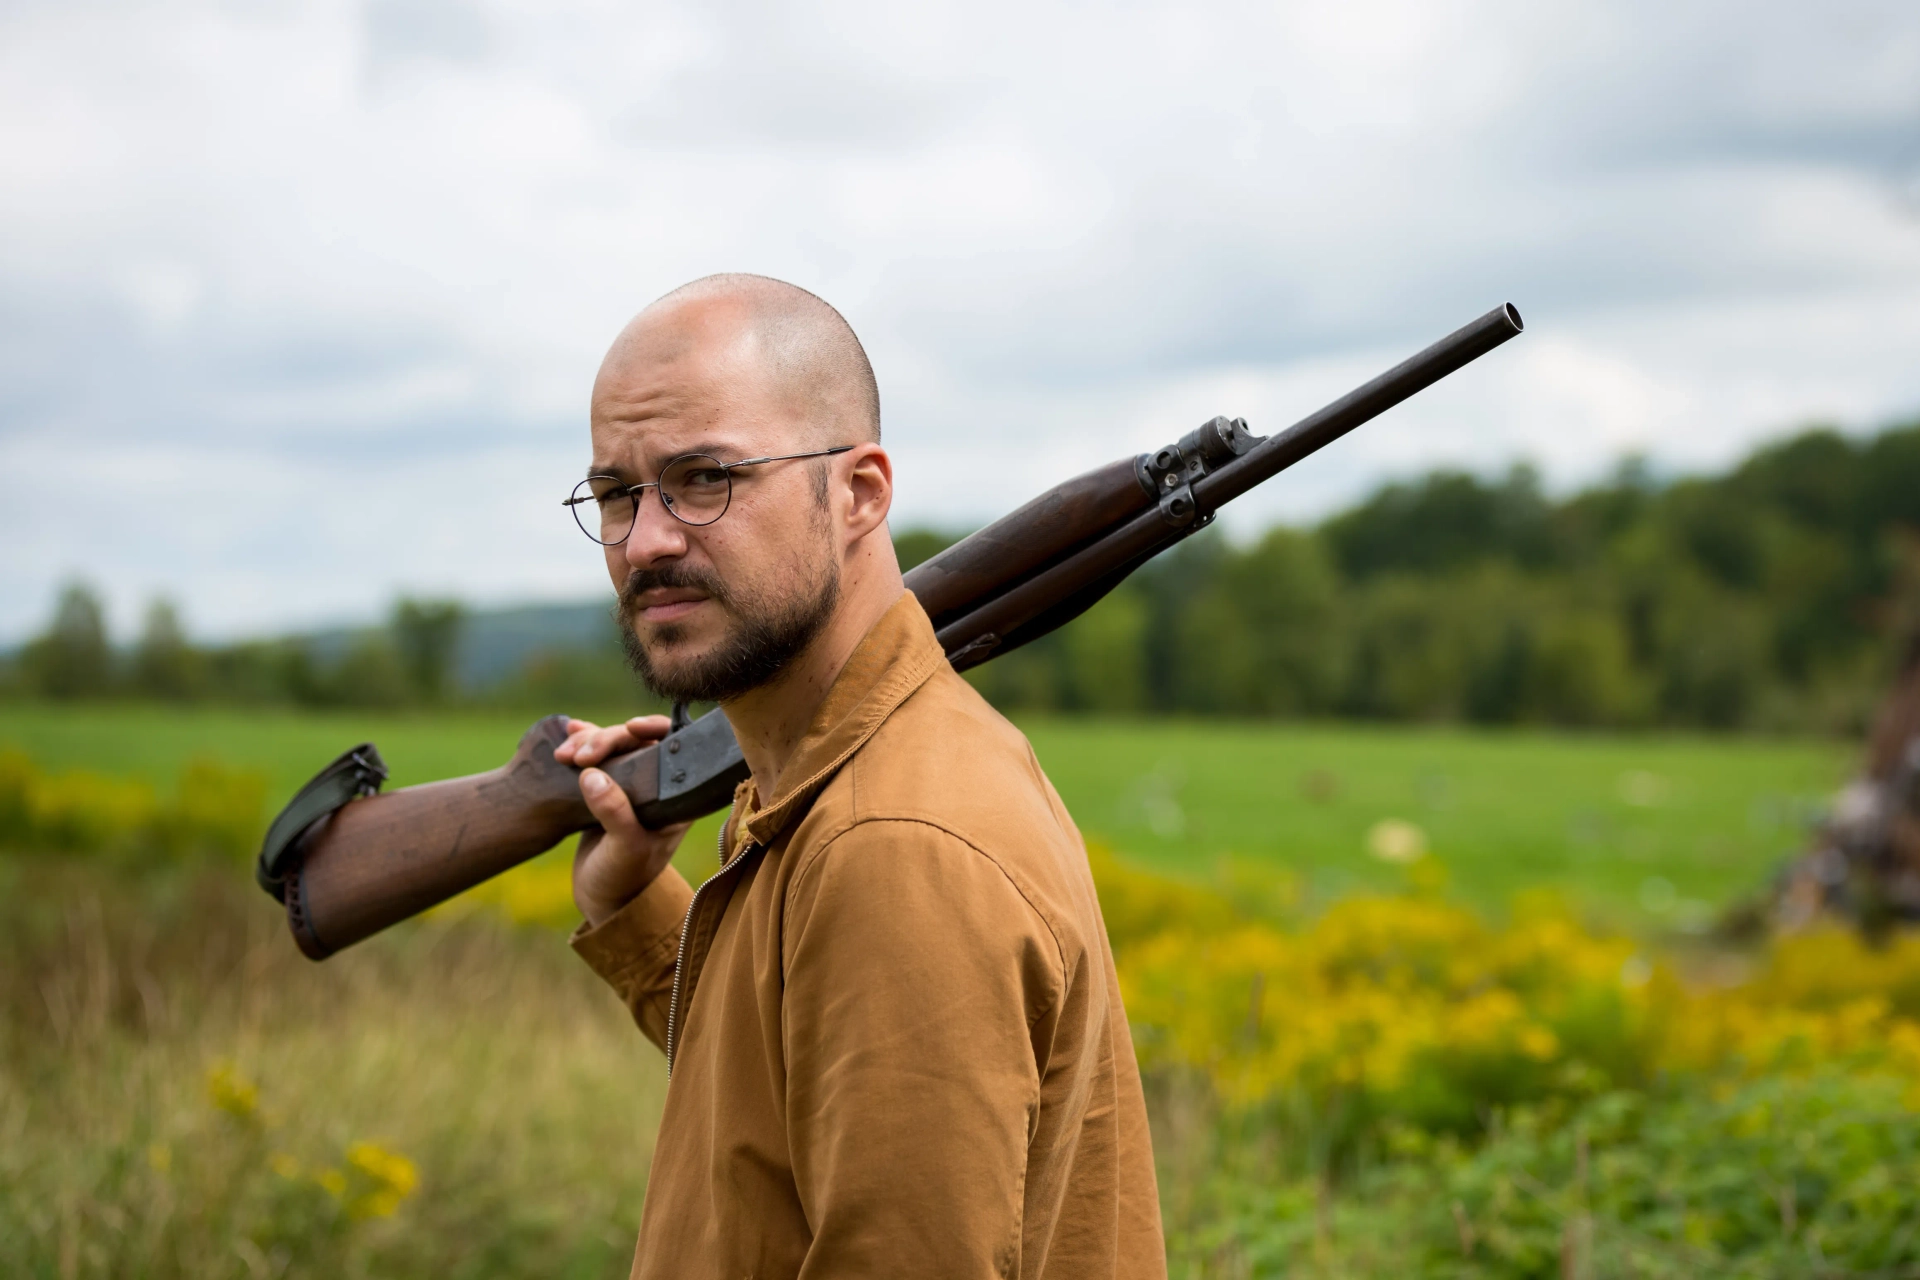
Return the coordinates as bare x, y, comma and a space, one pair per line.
682, 577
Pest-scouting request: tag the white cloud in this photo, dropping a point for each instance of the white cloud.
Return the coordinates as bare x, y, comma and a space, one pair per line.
280, 273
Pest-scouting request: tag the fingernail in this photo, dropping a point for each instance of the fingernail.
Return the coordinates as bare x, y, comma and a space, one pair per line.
594, 780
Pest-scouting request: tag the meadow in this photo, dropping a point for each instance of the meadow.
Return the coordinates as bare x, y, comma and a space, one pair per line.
1408, 1002
1644, 827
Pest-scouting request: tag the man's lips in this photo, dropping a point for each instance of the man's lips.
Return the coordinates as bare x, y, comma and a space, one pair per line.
667, 604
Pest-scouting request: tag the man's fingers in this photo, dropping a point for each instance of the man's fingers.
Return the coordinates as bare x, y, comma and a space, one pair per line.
610, 807
579, 732
645, 729
597, 745
588, 743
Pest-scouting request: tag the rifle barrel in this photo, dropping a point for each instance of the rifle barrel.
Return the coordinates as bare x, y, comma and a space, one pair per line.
1316, 431
975, 636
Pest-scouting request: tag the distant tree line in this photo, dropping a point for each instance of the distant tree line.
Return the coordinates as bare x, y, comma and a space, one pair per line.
1772, 596
409, 661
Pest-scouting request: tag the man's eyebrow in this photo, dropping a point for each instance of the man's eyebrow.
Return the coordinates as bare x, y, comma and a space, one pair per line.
715, 449
723, 450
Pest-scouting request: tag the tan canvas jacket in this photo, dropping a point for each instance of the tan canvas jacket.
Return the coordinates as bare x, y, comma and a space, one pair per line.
898, 1047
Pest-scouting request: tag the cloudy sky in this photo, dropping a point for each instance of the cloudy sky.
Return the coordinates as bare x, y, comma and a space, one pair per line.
300, 302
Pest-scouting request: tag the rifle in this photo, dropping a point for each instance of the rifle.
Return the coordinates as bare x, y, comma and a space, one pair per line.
347, 870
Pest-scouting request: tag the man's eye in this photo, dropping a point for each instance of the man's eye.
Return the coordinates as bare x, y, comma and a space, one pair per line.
705, 476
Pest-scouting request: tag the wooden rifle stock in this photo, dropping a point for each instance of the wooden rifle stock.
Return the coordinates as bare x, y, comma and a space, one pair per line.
378, 860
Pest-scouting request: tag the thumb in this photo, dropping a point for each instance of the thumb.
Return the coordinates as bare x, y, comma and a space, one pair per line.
609, 805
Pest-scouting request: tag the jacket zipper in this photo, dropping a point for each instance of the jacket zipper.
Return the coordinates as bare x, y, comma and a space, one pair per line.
686, 931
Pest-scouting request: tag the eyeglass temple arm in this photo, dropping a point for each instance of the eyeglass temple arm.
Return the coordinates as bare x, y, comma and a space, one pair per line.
786, 457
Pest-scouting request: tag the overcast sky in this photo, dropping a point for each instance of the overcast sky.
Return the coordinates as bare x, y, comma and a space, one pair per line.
300, 302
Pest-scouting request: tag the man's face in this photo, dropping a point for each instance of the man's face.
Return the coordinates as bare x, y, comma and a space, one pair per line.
709, 612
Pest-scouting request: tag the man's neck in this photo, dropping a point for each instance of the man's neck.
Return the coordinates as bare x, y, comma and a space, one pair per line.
770, 721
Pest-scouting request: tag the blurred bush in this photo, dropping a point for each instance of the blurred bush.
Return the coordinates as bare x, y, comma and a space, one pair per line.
1401, 1085
1414, 1011
1785, 1176
213, 811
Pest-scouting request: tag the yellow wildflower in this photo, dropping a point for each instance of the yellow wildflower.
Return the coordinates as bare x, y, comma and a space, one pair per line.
385, 1178
233, 1093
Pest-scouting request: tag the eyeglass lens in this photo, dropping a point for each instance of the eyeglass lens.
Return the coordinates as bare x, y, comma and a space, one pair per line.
695, 489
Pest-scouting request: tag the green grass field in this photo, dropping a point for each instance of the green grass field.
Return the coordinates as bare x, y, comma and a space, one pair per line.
1649, 828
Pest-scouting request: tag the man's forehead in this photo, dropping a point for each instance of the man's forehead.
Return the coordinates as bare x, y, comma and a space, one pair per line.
638, 426
627, 447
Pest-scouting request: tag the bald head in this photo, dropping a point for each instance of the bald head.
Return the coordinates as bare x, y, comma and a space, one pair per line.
771, 381
802, 349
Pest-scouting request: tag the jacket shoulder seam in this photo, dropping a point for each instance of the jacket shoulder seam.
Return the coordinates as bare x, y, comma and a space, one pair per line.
829, 839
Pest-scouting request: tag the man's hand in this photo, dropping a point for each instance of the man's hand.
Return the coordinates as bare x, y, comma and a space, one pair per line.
621, 858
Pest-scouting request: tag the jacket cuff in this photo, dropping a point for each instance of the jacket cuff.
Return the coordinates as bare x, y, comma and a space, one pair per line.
639, 936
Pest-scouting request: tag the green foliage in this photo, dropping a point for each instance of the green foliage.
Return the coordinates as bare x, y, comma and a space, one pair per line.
1782, 1177
916, 546
1097, 664
426, 635
1447, 521
165, 666
1401, 1088
73, 658
1773, 596
590, 682
213, 810
1251, 640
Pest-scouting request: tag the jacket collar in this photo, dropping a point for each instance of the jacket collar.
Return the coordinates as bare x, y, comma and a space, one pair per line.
895, 658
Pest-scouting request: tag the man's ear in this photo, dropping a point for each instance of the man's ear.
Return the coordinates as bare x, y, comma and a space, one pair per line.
869, 481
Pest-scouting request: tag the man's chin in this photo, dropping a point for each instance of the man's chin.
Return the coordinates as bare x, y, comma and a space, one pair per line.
681, 640
670, 651
673, 651
715, 652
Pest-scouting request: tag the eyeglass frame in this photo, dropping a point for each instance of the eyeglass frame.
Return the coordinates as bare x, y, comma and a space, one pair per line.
638, 491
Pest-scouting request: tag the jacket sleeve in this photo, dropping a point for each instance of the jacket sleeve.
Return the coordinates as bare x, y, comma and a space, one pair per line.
634, 949
919, 983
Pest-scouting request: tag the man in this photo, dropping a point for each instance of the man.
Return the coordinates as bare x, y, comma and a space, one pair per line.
891, 1017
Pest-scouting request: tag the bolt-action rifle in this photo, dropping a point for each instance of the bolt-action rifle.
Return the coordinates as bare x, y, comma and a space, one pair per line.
348, 862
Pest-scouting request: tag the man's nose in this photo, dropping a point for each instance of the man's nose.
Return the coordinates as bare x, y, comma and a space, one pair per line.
656, 534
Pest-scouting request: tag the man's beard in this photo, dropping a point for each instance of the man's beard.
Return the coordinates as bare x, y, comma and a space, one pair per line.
767, 635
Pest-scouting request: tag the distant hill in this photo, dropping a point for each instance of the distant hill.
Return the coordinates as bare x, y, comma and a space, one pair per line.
496, 643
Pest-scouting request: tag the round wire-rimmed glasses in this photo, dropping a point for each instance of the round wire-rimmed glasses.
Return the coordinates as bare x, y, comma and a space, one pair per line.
695, 488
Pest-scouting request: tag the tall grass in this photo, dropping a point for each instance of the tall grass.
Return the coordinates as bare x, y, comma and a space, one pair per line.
181, 1095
